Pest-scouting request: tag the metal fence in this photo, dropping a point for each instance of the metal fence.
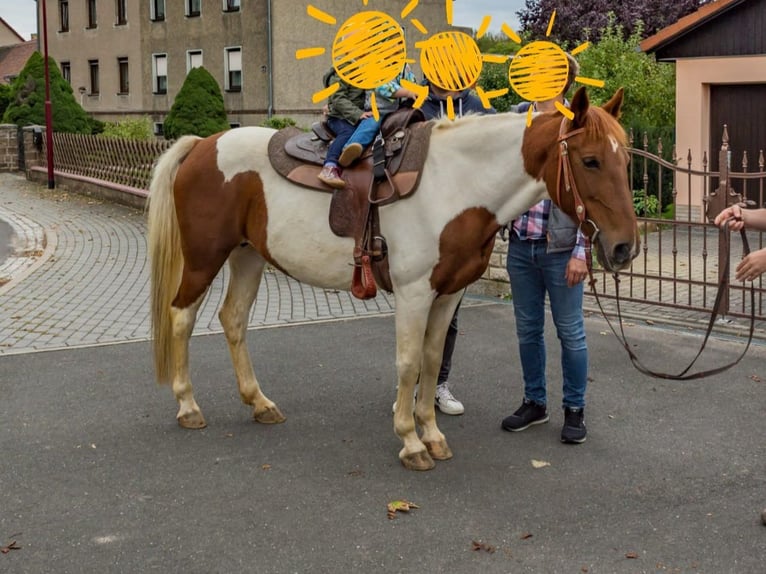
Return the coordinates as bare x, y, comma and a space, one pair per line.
678, 265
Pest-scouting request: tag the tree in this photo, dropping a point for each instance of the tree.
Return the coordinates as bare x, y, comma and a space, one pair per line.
198, 108
27, 105
5, 98
578, 21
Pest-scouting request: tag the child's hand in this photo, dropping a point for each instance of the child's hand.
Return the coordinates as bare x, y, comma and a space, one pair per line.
366, 115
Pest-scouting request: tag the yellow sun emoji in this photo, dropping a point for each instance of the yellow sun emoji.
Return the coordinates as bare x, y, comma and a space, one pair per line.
539, 70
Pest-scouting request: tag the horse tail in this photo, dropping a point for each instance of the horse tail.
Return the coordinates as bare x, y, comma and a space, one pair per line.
164, 245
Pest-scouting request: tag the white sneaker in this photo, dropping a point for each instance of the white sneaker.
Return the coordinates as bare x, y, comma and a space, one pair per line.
446, 402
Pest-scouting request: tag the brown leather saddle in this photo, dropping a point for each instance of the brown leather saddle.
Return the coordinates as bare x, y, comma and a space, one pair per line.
387, 171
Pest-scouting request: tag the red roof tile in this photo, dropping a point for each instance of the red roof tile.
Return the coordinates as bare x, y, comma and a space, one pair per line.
14, 58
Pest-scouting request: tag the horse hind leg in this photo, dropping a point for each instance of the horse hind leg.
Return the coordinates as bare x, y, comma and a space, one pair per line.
246, 267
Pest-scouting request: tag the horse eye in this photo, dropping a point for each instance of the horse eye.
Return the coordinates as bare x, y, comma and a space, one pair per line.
591, 163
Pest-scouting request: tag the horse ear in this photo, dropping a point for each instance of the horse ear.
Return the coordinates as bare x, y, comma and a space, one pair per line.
614, 106
579, 107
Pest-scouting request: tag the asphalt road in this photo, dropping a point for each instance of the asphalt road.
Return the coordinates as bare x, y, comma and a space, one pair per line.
95, 476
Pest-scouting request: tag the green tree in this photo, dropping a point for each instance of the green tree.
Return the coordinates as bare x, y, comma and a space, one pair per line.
198, 108
132, 129
27, 105
5, 98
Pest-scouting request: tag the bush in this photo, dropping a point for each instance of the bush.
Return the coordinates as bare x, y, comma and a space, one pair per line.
131, 129
645, 205
5, 98
278, 123
27, 105
198, 108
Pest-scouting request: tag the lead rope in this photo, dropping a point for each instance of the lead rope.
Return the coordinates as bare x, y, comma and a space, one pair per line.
683, 376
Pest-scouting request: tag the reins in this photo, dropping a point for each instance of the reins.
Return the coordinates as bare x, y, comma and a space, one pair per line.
722, 286
566, 177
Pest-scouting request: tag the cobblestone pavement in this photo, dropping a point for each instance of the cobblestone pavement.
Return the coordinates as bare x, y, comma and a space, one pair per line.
79, 276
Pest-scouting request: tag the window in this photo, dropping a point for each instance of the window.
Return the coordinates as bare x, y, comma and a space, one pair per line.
193, 59
66, 72
233, 64
92, 20
159, 129
122, 66
233, 125
122, 12
63, 16
157, 10
160, 73
231, 5
193, 7
94, 87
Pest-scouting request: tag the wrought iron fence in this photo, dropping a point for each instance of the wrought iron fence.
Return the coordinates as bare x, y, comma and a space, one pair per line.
678, 265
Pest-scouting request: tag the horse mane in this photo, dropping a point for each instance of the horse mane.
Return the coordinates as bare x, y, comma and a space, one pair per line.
600, 124
444, 122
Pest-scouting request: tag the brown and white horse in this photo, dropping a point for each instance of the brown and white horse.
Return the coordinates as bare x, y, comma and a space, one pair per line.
218, 198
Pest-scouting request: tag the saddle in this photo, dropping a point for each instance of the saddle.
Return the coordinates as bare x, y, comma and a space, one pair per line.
387, 171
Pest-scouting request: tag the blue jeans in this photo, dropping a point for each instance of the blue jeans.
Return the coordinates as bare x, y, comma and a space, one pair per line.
533, 272
365, 132
343, 130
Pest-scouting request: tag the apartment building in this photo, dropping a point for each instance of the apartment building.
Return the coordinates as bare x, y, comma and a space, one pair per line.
130, 57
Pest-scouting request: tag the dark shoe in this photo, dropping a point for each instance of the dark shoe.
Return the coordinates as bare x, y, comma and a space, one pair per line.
528, 414
574, 430
350, 154
331, 176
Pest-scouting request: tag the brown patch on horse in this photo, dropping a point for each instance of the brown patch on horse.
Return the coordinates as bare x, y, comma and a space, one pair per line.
214, 217
465, 246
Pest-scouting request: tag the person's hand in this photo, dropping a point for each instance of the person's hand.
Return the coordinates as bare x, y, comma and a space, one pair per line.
752, 265
577, 271
325, 110
732, 214
366, 115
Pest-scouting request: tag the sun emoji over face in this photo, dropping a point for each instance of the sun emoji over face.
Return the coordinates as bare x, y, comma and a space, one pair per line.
369, 51
540, 70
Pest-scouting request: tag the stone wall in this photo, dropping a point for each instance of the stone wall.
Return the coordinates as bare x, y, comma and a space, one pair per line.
9, 147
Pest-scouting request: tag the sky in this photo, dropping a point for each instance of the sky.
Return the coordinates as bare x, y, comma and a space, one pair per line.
20, 14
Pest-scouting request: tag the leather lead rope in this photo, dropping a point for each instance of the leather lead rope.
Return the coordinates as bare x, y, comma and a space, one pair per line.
685, 375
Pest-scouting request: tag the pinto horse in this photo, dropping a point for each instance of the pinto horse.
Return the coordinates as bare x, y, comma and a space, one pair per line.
218, 199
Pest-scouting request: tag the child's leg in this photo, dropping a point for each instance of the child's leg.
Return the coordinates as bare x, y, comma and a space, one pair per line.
343, 131
365, 132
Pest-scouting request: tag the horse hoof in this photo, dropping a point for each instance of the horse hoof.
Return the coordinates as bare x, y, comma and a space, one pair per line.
269, 416
193, 420
418, 461
439, 450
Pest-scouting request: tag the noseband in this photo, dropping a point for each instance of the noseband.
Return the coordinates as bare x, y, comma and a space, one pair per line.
565, 177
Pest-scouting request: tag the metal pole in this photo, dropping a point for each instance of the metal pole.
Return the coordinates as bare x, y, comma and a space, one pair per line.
48, 114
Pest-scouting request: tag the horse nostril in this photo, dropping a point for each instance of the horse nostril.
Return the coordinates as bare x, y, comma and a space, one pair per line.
622, 253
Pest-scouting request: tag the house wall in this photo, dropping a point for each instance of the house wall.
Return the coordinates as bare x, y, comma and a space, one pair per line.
693, 130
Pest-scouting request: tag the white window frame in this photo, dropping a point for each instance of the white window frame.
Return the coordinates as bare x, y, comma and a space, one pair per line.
190, 56
153, 15
232, 5
159, 128
121, 6
159, 61
227, 58
188, 8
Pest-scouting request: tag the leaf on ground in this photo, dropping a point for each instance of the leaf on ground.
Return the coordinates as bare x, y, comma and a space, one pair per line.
631, 555
12, 546
476, 545
540, 463
266, 466
526, 536
755, 378
399, 506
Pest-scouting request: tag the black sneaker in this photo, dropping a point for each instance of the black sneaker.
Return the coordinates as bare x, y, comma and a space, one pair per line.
574, 430
528, 414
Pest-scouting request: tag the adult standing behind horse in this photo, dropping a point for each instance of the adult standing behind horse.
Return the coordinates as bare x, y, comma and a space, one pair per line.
547, 253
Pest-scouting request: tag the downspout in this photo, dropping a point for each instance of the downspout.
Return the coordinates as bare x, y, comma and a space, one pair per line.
270, 60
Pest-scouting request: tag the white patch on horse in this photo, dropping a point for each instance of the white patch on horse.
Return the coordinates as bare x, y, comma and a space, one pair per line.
615, 143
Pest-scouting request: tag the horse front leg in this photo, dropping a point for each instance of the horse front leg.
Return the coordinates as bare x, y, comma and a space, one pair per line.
433, 349
246, 267
411, 321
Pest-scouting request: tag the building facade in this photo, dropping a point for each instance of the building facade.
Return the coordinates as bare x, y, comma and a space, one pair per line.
130, 57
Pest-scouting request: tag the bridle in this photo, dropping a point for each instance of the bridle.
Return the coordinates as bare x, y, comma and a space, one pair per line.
565, 180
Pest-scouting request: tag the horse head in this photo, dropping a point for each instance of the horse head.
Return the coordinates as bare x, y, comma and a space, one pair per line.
584, 163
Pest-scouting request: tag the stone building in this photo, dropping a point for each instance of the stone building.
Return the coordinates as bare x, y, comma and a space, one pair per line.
130, 58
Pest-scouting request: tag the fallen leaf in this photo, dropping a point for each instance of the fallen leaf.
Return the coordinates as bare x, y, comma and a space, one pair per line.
631, 555
266, 466
540, 463
399, 506
755, 378
12, 546
481, 546
229, 435
526, 536
649, 322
